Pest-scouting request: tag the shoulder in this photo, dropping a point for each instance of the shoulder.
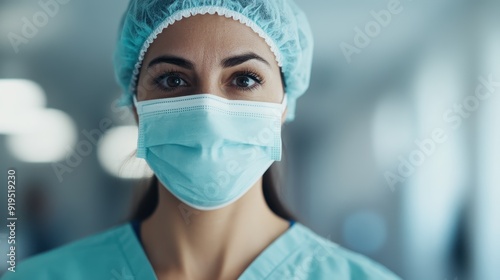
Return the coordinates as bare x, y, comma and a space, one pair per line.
75, 260
319, 258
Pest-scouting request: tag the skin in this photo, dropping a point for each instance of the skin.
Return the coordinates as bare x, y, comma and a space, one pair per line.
182, 242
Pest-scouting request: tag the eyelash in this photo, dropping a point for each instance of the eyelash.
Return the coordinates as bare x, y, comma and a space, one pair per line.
158, 80
248, 73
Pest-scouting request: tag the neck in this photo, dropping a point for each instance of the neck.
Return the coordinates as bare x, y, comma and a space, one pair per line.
182, 242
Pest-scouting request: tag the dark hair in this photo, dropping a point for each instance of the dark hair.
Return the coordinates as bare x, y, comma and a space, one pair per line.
270, 186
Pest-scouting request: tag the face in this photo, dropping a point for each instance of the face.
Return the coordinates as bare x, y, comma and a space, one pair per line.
210, 54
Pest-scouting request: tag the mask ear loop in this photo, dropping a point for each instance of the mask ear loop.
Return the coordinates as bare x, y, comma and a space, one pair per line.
138, 106
141, 152
284, 102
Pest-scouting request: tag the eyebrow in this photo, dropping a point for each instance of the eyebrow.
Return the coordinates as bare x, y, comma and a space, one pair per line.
179, 61
239, 59
226, 62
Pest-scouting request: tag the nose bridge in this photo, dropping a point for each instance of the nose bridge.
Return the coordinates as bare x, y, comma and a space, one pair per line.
209, 81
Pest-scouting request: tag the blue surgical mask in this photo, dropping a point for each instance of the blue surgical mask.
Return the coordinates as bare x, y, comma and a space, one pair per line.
206, 150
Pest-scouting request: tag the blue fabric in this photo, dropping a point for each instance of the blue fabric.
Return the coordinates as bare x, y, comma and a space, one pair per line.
282, 25
198, 150
117, 254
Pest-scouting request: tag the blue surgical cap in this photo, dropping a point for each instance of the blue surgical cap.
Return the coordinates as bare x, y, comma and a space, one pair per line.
282, 25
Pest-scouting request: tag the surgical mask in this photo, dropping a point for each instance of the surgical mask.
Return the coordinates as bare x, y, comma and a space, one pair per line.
206, 150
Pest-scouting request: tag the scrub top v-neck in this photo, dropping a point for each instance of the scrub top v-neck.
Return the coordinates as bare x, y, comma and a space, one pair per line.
262, 266
118, 254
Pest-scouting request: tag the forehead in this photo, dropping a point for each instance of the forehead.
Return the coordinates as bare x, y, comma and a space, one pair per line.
203, 37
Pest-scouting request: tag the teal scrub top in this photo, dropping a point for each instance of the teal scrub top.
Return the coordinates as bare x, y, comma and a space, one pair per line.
117, 254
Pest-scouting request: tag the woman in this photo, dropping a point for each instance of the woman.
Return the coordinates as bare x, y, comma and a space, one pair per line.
211, 83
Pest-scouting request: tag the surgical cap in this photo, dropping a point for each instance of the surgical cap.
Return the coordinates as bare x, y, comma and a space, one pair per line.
282, 25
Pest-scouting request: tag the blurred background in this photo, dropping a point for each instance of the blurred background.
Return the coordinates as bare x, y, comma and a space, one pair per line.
393, 154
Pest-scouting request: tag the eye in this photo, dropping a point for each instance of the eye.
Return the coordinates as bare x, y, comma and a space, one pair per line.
170, 81
247, 80
244, 81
